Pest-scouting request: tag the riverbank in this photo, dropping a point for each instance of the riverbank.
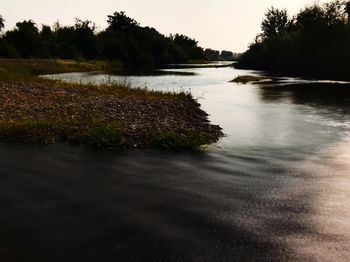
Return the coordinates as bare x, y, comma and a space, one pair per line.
105, 116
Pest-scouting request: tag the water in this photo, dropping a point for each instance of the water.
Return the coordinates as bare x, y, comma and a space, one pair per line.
277, 187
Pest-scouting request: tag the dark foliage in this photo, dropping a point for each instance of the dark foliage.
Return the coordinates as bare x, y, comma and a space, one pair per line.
124, 40
314, 43
211, 54
2, 23
227, 55
215, 55
120, 22
276, 23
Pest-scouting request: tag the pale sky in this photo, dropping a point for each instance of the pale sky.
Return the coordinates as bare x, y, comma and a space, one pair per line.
218, 24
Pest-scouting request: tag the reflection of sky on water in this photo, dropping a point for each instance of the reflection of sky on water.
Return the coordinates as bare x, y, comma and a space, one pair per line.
279, 180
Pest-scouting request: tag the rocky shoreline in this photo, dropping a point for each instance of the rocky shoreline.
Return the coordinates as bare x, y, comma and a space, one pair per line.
104, 116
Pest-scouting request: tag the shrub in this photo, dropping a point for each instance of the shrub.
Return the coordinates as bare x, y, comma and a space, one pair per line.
106, 138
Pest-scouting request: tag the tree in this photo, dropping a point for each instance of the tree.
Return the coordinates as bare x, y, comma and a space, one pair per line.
211, 54
184, 40
85, 25
120, 22
46, 32
227, 55
347, 10
276, 22
85, 39
334, 13
319, 18
314, 43
189, 46
25, 39
2, 23
124, 40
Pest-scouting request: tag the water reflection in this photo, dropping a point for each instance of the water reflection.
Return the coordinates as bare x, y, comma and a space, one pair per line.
324, 191
336, 96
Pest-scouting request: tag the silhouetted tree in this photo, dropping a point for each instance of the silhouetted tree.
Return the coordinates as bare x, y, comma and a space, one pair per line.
119, 21
189, 45
6, 50
320, 18
211, 54
2, 23
227, 55
347, 9
26, 39
85, 39
46, 32
315, 43
123, 40
334, 12
276, 22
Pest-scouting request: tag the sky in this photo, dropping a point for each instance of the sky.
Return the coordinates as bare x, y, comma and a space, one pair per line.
217, 24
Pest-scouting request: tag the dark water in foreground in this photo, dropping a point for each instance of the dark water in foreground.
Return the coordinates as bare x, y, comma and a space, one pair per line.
276, 188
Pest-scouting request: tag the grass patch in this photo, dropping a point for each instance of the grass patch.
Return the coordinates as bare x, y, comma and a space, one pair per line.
29, 68
245, 79
29, 132
106, 138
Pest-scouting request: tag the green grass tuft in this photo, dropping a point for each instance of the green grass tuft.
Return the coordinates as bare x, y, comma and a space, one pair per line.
181, 141
106, 138
29, 131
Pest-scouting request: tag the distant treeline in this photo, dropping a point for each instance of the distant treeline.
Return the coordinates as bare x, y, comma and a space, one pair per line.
315, 42
215, 55
124, 40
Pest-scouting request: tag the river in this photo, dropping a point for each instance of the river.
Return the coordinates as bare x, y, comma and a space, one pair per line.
275, 188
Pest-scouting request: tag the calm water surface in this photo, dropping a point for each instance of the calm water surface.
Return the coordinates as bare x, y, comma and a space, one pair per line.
277, 187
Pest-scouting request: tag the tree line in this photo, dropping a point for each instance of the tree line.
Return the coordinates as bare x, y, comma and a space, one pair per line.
124, 40
315, 42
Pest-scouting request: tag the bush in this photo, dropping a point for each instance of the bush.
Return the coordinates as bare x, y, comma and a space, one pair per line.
181, 141
7, 51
